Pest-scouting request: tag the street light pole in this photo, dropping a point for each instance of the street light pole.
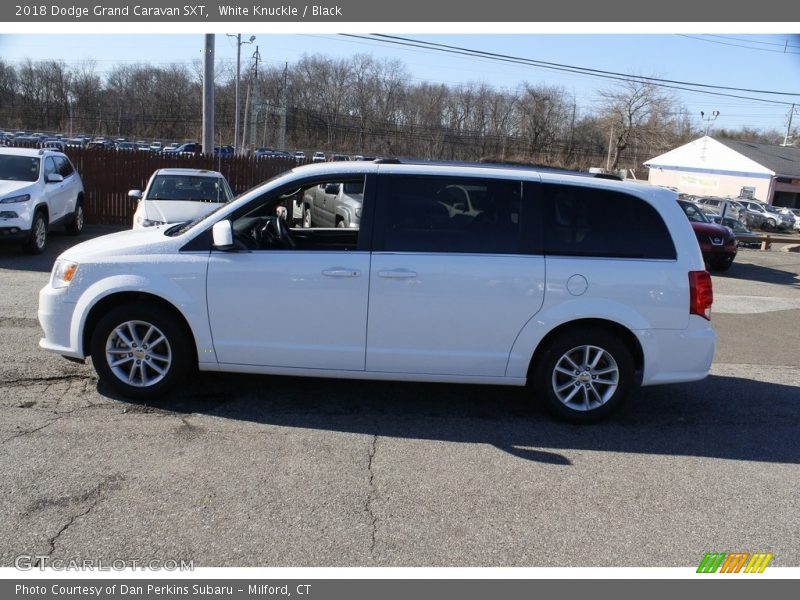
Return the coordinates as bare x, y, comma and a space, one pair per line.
239, 43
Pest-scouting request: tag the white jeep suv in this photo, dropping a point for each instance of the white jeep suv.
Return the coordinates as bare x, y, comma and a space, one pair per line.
580, 287
38, 190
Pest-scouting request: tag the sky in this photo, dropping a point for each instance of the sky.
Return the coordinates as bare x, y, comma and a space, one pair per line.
767, 62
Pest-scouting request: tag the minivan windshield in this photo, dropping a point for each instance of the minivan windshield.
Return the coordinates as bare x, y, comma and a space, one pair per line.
19, 168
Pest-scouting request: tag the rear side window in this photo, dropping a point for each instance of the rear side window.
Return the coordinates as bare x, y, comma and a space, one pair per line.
447, 214
585, 221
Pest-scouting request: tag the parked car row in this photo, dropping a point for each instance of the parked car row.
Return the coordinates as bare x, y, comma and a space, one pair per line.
751, 213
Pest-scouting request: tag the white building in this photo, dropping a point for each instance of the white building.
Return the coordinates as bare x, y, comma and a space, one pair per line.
731, 168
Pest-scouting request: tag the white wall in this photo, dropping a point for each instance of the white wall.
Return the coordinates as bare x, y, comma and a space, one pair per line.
702, 184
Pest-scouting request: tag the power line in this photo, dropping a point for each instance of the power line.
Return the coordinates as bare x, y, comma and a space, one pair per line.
575, 69
786, 44
701, 39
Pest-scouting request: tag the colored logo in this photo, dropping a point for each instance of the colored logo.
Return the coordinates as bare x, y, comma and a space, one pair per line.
734, 562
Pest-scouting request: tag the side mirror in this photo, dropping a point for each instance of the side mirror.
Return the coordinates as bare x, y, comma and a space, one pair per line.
332, 188
55, 178
135, 194
222, 235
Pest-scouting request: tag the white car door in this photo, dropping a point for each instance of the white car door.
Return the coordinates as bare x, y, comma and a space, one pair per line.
304, 307
449, 290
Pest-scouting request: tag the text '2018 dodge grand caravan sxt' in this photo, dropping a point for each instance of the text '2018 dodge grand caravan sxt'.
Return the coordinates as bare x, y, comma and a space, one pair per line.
583, 288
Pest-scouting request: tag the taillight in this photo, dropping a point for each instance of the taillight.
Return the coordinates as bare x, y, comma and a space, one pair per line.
701, 294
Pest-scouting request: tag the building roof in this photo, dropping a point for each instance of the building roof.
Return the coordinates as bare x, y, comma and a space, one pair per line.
783, 160
732, 156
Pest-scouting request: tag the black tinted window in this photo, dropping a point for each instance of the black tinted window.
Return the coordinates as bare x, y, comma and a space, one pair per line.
585, 221
444, 214
64, 166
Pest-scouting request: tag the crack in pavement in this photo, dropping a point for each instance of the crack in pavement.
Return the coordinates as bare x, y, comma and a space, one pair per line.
94, 495
27, 381
372, 495
30, 431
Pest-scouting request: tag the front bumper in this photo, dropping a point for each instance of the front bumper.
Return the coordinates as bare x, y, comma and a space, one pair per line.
55, 316
13, 233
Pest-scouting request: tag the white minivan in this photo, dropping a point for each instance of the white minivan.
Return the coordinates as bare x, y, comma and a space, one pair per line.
582, 288
178, 195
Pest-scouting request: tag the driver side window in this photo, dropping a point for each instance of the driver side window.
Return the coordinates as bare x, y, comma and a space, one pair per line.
320, 215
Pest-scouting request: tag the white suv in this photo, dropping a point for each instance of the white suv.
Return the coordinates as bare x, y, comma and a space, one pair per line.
581, 287
38, 189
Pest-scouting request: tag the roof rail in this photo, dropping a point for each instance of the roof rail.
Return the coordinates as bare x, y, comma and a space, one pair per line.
387, 161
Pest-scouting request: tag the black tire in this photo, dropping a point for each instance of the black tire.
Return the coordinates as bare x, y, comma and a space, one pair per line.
37, 240
722, 264
173, 355
75, 225
614, 364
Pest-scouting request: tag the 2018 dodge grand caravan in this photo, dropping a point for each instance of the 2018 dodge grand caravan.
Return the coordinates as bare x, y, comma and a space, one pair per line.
581, 288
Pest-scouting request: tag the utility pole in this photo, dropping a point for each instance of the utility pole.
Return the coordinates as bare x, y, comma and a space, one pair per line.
710, 119
239, 43
208, 95
788, 127
282, 128
254, 101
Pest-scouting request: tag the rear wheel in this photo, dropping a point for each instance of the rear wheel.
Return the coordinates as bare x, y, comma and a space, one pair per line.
140, 351
75, 226
584, 375
37, 240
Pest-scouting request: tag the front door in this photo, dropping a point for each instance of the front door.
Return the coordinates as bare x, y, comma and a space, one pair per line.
293, 300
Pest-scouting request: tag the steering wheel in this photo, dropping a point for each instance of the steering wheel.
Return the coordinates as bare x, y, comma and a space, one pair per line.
275, 233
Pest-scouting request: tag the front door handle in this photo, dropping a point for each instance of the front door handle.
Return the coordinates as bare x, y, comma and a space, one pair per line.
397, 274
340, 272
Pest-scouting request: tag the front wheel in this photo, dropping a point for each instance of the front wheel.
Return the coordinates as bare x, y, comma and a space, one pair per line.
584, 375
140, 351
721, 264
37, 239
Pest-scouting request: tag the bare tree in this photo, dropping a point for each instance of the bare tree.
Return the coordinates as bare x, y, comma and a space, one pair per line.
637, 113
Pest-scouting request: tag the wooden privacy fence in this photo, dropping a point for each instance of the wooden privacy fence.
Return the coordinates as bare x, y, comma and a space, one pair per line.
108, 175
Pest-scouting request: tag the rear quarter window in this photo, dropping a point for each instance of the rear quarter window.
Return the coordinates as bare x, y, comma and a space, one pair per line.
587, 221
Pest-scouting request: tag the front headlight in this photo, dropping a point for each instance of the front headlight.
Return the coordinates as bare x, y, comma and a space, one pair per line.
63, 273
13, 199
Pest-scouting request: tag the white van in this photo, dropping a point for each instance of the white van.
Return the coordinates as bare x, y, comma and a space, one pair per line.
579, 287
